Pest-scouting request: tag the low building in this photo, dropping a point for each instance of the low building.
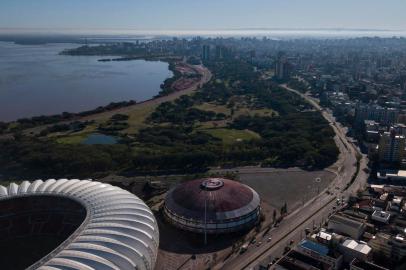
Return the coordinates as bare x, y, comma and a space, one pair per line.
381, 216
324, 237
396, 204
320, 252
398, 176
294, 260
346, 226
365, 265
393, 248
212, 206
353, 249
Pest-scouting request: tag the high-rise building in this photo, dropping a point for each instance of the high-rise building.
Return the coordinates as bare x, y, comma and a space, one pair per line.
391, 147
376, 113
219, 52
282, 67
206, 52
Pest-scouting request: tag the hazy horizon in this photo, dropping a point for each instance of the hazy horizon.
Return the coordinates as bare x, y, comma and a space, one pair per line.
182, 15
259, 32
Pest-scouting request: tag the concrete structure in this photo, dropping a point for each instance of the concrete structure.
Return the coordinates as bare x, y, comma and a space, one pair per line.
324, 237
294, 260
206, 52
396, 204
346, 226
362, 265
391, 147
99, 226
376, 113
398, 176
352, 249
381, 216
393, 248
212, 205
320, 252
282, 67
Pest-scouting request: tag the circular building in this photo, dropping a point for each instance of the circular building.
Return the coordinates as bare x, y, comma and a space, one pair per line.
212, 205
76, 225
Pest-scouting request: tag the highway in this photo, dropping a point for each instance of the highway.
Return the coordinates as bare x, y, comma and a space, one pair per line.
316, 211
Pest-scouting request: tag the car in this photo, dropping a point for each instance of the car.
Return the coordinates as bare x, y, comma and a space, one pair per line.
243, 248
259, 243
269, 239
291, 242
307, 230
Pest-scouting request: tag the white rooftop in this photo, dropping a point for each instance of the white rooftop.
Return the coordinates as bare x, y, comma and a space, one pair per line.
358, 246
324, 235
120, 231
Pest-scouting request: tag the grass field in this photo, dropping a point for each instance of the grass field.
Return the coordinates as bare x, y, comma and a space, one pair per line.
230, 136
73, 139
214, 108
138, 117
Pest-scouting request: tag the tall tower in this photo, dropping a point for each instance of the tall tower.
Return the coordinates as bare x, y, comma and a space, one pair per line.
282, 67
391, 147
206, 52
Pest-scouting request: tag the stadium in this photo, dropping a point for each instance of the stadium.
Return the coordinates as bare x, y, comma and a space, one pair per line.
213, 206
73, 224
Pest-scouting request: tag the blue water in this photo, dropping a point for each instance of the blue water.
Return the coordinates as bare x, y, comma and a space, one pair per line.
99, 139
35, 80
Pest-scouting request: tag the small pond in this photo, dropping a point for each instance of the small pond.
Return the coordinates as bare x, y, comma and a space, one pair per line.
99, 139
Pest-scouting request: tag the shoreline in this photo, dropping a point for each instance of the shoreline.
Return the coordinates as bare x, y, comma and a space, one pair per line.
206, 76
119, 104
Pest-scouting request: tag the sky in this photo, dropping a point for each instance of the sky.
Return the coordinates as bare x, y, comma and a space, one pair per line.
202, 14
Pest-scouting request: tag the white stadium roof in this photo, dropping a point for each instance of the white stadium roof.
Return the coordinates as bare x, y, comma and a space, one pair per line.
118, 233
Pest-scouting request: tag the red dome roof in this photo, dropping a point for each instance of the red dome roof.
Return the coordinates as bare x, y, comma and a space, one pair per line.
217, 195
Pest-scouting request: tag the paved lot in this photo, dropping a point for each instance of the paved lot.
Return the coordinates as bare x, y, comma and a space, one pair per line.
292, 187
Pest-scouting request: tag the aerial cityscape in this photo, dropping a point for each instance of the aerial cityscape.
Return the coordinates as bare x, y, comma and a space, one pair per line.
156, 135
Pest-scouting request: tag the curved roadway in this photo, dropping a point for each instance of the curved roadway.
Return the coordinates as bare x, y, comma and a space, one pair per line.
315, 212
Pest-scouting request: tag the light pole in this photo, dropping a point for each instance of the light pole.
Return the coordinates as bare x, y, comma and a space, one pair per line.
205, 219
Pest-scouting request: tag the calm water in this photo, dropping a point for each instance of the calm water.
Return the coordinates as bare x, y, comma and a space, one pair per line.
35, 80
99, 139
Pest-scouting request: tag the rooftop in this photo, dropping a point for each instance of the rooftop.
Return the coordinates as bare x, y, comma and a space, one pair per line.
358, 246
346, 221
217, 197
381, 215
367, 265
316, 247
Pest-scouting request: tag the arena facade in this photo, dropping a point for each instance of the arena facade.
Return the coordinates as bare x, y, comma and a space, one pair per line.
74, 224
213, 206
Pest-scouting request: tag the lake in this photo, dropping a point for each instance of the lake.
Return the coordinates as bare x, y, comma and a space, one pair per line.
36, 80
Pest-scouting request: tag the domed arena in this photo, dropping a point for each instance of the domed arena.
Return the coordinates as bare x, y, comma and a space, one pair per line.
76, 225
212, 205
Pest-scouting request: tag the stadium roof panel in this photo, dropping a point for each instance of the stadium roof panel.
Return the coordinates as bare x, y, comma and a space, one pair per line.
119, 231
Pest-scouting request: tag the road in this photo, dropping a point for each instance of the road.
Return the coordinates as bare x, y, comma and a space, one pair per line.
316, 211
